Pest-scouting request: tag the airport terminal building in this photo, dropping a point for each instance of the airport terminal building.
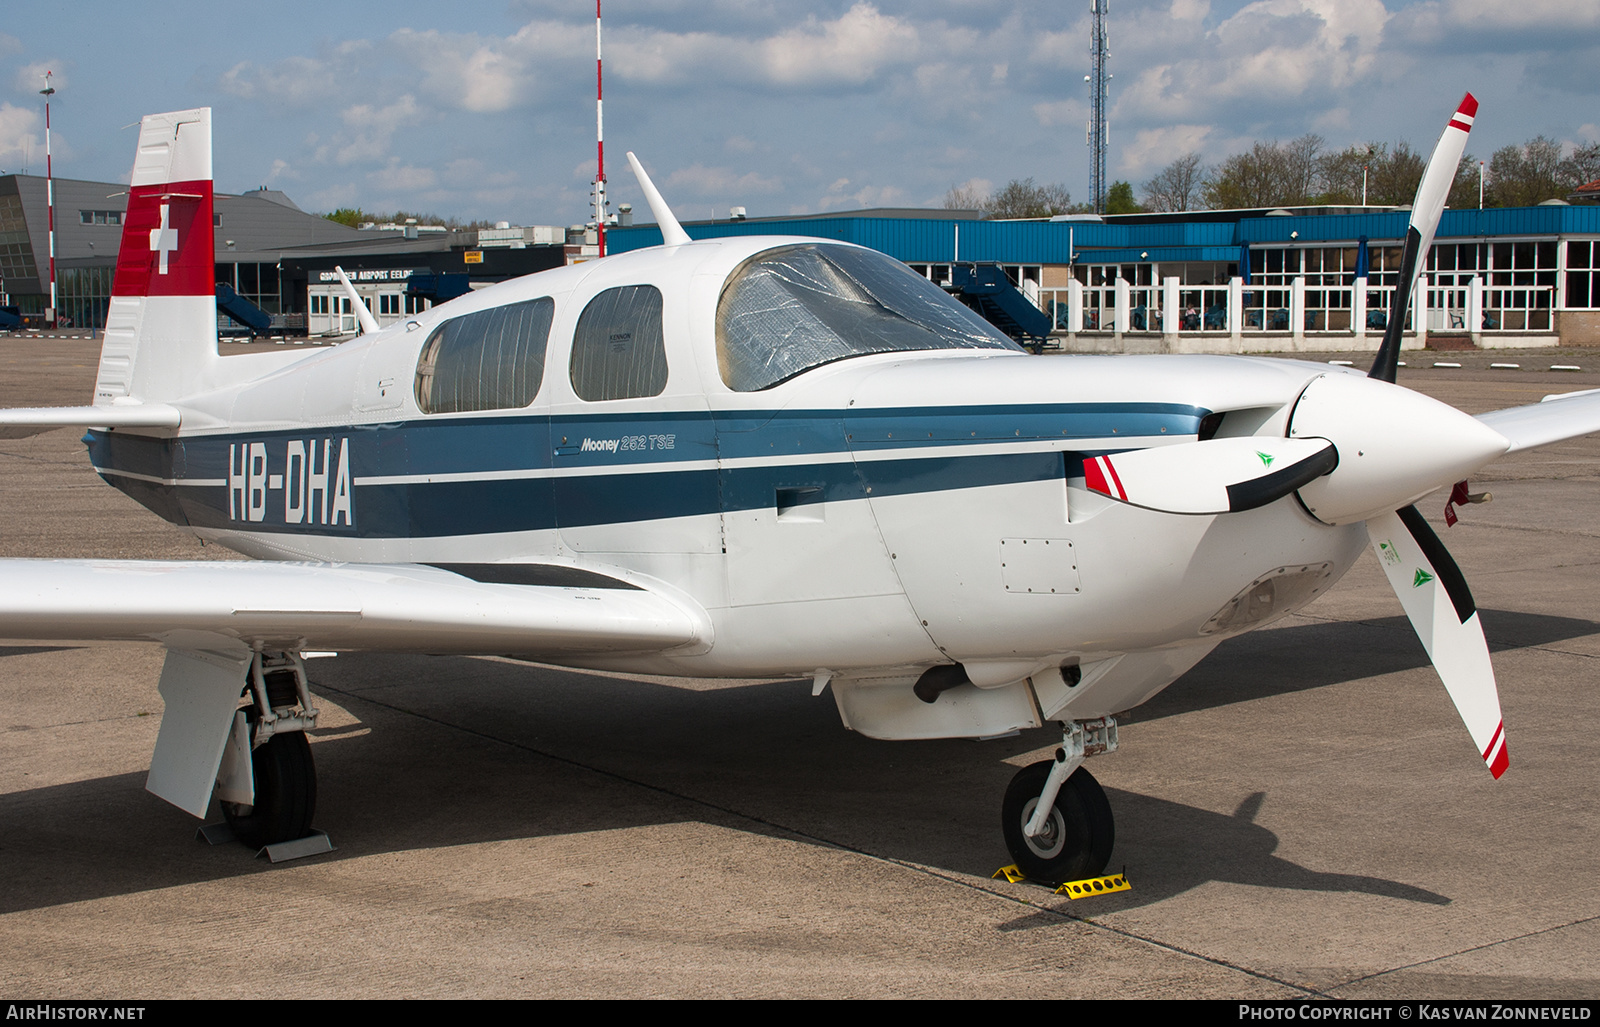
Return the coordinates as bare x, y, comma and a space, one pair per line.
269, 251
1313, 278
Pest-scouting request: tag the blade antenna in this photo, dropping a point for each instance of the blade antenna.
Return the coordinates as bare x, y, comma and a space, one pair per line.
369, 324
1426, 210
672, 233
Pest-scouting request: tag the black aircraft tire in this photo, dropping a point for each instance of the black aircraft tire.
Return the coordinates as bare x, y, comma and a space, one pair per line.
1079, 837
286, 793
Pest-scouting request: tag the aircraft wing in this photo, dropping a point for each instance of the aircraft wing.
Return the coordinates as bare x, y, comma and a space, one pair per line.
494, 609
1563, 416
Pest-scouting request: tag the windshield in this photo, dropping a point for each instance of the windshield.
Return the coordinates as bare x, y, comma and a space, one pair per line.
792, 309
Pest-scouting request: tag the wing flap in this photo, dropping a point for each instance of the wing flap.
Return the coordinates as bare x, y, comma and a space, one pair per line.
390, 607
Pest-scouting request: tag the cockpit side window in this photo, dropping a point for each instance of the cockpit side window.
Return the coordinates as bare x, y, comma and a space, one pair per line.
489, 360
788, 310
618, 351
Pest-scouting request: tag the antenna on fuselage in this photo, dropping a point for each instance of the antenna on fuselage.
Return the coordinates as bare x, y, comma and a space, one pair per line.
369, 324
672, 233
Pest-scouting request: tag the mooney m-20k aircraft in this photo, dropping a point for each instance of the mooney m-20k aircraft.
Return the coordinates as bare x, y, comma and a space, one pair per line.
736, 457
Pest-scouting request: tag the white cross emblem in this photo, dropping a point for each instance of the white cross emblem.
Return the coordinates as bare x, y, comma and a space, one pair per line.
163, 240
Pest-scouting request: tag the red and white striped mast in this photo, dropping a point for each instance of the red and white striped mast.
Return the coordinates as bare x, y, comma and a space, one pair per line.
600, 138
50, 198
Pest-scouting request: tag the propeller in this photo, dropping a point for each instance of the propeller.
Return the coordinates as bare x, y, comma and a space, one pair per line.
1360, 449
1211, 477
1435, 596
1432, 192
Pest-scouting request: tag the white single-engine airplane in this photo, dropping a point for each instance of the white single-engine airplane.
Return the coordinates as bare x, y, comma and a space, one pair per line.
736, 457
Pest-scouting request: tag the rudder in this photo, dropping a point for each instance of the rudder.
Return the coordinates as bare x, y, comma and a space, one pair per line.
161, 330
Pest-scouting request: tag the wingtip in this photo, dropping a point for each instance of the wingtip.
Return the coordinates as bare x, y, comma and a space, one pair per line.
1469, 106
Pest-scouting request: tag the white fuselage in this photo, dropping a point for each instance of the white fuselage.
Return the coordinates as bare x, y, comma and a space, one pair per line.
871, 516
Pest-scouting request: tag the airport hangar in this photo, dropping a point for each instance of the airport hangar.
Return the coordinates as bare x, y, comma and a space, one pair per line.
1527, 276
272, 253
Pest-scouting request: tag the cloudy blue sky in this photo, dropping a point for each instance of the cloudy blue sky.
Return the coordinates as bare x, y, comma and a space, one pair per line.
486, 109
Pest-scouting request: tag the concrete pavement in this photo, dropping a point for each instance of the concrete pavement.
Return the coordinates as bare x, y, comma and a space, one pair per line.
1303, 814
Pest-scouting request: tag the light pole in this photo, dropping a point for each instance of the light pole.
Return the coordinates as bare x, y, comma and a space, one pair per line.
599, 138
50, 201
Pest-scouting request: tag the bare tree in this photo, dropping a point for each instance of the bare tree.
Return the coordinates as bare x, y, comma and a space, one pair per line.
1301, 167
1177, 186
1582, 167
964, 197
1522, 176
1021, 198
1259, 177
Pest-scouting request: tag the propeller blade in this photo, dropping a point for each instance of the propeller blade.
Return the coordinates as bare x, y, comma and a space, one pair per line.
1211, 477
1434, 593
1426, 209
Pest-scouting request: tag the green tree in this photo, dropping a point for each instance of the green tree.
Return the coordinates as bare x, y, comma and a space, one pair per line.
1119, 200
351, 216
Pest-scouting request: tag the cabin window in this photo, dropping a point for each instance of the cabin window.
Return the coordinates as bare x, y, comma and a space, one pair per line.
789, 310
489, 360
618, 351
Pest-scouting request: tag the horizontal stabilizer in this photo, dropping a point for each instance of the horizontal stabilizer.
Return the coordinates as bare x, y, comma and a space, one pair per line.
392, 607
112, 415
1211, 477
1539, 424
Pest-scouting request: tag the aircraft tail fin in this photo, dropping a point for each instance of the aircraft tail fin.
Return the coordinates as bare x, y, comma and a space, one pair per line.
161, 329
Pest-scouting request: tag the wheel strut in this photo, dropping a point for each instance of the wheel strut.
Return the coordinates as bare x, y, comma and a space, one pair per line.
1080, 739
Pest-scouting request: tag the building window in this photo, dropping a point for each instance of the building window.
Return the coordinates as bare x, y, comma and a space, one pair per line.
618, 351
100, 217
319, 303
1583, 275
489, 360
389, 303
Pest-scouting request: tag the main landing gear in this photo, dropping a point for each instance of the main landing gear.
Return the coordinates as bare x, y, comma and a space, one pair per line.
271, 796
1056, 818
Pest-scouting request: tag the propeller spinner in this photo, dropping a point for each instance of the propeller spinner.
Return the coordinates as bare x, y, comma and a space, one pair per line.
1360, 449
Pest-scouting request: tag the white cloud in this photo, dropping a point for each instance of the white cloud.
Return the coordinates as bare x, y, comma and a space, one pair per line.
30, 77
851, 48
840, 195
1498, 25
371, 131
396, 177
721, 182
21, 136
1061, 112
1154, 148
1268, 54
295, 81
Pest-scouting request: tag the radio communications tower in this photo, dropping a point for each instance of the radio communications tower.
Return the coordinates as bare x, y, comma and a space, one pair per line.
1097, 79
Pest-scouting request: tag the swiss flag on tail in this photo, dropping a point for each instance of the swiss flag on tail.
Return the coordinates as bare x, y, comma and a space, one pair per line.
167, 243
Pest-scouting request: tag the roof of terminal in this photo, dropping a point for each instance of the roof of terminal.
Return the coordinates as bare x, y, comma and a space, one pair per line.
936, 237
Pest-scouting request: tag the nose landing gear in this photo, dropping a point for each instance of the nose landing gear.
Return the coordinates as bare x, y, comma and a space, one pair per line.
1072, 837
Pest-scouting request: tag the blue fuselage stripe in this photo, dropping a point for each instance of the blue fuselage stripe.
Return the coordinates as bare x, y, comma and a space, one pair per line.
522, 473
